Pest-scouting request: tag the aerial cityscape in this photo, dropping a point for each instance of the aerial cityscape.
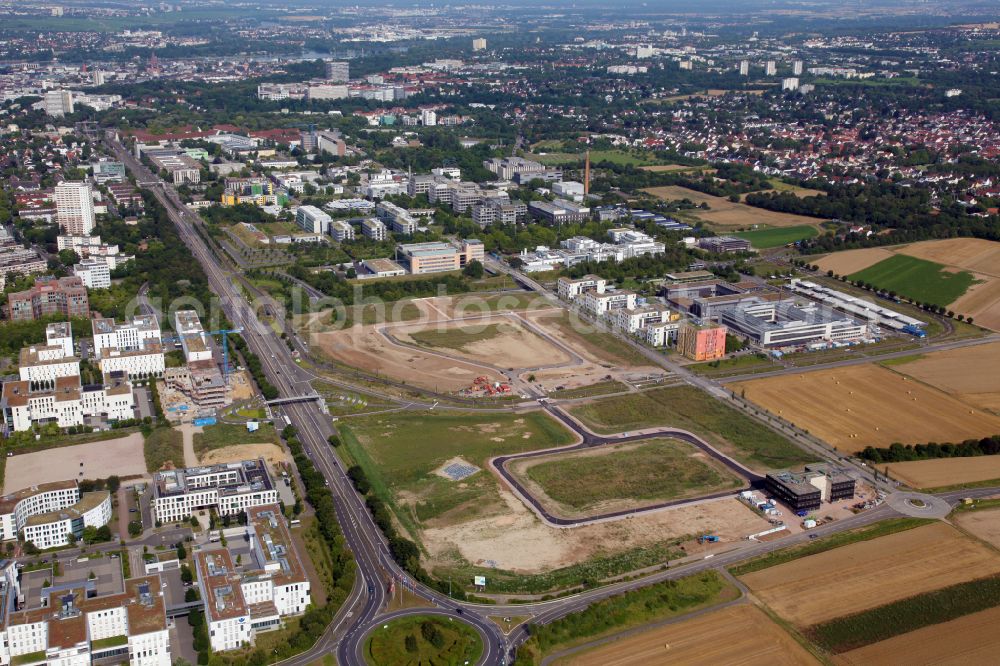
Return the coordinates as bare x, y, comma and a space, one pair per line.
570, 333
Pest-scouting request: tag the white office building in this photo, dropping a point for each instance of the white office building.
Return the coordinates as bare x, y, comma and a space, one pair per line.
74, 207
313, 220
94, 273
228, 488
341, 230
373, 228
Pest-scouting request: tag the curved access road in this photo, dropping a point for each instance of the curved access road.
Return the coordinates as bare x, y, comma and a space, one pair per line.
589, 440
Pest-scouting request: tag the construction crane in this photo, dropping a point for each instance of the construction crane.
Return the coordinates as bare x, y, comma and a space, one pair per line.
225, 344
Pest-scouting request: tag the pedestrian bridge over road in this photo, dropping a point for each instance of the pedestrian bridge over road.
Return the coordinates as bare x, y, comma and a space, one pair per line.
296, 398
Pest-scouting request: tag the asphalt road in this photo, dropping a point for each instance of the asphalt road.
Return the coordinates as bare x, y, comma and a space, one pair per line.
362, 611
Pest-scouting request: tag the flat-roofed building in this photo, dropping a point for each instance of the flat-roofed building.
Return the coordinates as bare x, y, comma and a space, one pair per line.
569, 288
194, 340
228, 488
60, 334
373, 228
559, 211
226, 611
341, 230
601, 304
94, 272
724, 244
313, 220
75, 207
53, 528
702, 343
507, 167
398, 218
632, 320
66, 402
382, 268
45, 363
66, 296
437, 257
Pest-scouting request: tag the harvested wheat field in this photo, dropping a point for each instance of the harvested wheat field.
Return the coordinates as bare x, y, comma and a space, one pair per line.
983, 523
972, 639
941, 472
971, 374
852, 261
725, 213
871, 573
498, 340
739, 635
365, 348
861, 405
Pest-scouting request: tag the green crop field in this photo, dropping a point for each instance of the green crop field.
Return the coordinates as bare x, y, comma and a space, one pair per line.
763, 239
423, 639
655, 470
614, 156
400, 453
906, 615
456, 338
918, 279
691, 409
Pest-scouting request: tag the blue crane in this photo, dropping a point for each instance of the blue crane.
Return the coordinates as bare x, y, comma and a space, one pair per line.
225, 345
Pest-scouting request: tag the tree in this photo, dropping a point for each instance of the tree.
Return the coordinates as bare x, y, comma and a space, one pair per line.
113, 484
134, 528
71, 538
89, 534
473, 269
181, 551
333, 440
186, 575
103, 533
191, 595
410, 642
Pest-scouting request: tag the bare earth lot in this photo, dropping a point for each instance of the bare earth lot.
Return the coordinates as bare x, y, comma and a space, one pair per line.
862, 405
971, 374
725, 213
946, 471
972, 639
738, 635
864, 575
516, 540
979, 257
122, 456
272, 453
513, 346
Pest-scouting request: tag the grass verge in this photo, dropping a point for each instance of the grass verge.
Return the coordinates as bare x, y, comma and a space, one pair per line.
423, 639
221, 435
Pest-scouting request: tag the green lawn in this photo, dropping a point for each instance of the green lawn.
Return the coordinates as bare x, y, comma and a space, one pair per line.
763, 239
458, 337
620, 157
221, 435
655, 470
400, 453
691, 409
161, 446
919, 279
600, 388
423, 639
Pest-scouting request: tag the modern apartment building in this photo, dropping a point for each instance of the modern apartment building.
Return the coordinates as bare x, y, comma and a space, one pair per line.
58, 103
66, 402
133, 347
568, 289
337, 71
601, 304
228, 488
50, 296
399, 219
341, 230
74, 207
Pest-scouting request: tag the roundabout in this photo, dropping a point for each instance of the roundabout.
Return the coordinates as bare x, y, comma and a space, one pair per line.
425, 636
918, 505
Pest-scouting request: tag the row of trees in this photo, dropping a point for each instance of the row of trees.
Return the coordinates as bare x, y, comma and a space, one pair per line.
987, 446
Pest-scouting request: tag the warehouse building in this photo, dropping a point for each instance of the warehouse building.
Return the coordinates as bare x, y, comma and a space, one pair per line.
784, 324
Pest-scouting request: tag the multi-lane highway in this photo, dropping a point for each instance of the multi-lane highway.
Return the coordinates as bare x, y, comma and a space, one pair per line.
364, 609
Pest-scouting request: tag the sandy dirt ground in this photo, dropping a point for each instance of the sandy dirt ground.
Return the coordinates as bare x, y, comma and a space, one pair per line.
240, 387
862, 405
363, 347
514, 347
945, 471
971, 639
725, 213
984, 523
872, 573
521, 468
515, 539
187, 431
852, 261
739, 635
121, 456
272, 453
971, 374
